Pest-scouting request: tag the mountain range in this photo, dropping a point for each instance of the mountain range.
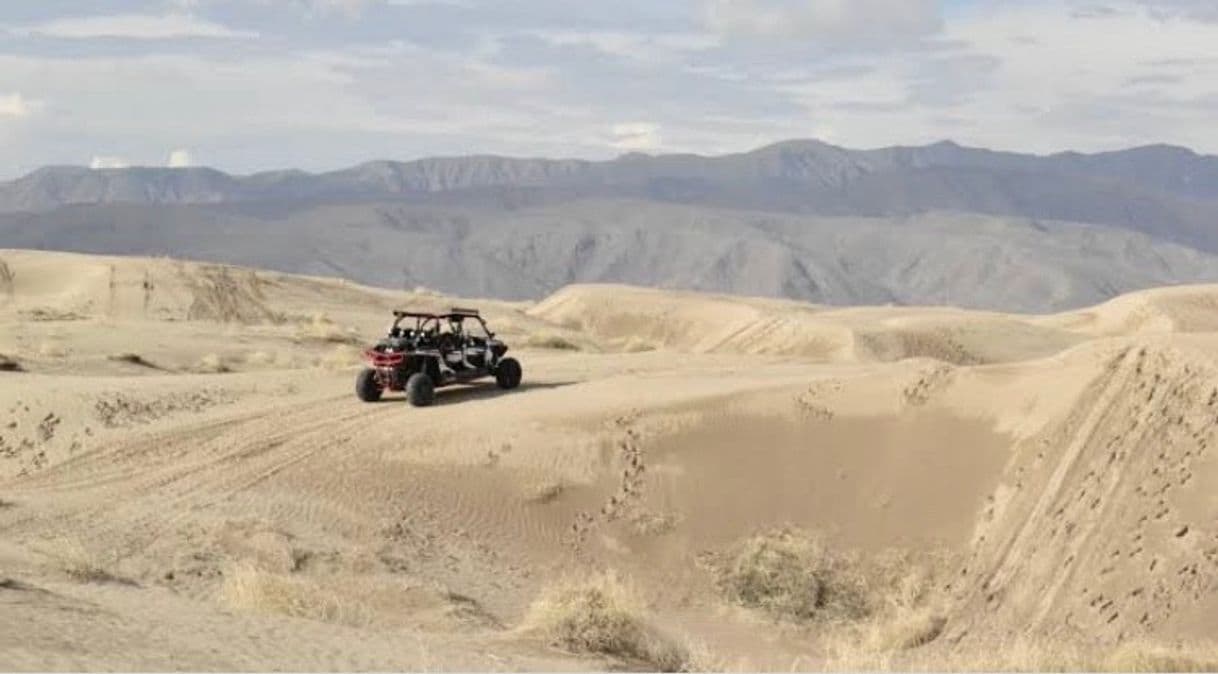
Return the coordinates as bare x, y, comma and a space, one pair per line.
804, 219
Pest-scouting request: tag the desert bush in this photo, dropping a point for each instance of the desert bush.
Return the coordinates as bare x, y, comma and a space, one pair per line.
83, 564
636, 345
9, 364
542, 491
551, 341
321, 328
212, 364
248, 588
604, 615
49, 349
793, 576
7, 279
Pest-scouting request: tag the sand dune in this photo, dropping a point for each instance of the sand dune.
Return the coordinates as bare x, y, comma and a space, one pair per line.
184, 469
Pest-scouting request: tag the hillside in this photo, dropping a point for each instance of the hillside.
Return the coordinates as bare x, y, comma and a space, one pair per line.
185, 470
941, 258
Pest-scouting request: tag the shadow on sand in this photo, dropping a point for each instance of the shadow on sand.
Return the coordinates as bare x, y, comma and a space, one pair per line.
458, 393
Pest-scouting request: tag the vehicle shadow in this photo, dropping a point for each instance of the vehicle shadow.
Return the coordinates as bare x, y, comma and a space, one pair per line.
458, 393
483, 390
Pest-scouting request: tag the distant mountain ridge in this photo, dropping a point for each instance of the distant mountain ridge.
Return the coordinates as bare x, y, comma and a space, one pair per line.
934, 224
1162, 190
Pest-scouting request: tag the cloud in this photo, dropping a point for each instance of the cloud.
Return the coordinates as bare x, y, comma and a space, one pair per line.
838, 22
180, 159
108, 162
1201, 10
16, 106
131, 27
636, 136
350, 8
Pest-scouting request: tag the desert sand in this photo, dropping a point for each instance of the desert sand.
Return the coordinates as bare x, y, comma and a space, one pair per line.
683, 481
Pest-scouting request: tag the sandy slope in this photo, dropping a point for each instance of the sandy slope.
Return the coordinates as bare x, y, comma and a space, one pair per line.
1061, 463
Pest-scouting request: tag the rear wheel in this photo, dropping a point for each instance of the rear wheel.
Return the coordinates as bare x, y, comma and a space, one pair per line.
420, 390
508, 374
367, 387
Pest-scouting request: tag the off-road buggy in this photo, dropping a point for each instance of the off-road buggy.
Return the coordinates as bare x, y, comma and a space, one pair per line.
438, 350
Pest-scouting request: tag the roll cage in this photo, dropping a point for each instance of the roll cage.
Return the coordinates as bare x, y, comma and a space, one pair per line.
425, 323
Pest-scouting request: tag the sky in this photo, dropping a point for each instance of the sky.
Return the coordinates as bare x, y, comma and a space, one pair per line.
251, 85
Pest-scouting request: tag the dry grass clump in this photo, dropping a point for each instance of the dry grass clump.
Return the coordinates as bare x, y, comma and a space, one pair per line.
48, 349
636, 345
869, 607
82, 564
551, 341
212, 364
248, 588
542, 491
793, 576
321, 328
340, 357
604, 615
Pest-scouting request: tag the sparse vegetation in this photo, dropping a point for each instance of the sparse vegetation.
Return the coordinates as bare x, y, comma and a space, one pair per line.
50, 349
320, 328
212, 364
341, 356
7, 279
551, 341
84, 565
543, 492
604, 615
793, 576
248, 588
636, 345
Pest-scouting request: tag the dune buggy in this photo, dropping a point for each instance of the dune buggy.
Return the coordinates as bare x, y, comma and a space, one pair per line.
424, 351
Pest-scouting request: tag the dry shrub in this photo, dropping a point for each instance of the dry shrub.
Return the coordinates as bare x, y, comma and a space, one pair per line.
340, 357
604, 615
648, 523
82, 564
551, 341
544, 491
52, 350
212, 364
793, 576
636, 345
9, 364
248, 588
7, 279
321, 328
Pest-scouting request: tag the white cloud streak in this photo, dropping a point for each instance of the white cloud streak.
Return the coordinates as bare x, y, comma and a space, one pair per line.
131, 27
827, 21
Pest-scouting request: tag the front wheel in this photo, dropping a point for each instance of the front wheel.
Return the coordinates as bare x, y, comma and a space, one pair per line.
508, 374
367, 387
420, 390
